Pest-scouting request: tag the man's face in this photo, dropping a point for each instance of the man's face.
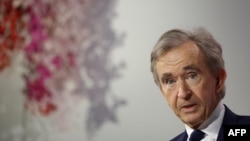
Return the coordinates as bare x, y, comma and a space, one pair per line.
188, 84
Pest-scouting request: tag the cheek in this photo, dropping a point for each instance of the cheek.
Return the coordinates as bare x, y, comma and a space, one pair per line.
206, 93
171, 99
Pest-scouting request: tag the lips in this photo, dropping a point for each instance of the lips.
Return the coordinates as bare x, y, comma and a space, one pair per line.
189, 107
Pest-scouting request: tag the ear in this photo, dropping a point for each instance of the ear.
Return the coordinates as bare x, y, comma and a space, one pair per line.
222, 75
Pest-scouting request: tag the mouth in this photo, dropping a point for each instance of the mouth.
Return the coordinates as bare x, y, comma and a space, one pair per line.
189, 108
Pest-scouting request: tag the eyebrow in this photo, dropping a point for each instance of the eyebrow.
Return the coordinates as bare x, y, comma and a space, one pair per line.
186, 68
166, 75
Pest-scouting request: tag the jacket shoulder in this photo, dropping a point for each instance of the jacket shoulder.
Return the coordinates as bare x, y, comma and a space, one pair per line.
232, 118
243, 119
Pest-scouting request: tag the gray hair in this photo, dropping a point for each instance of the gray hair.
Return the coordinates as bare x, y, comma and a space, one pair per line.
201, 37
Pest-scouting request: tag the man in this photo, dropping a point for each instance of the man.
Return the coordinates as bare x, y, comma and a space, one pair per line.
189, 69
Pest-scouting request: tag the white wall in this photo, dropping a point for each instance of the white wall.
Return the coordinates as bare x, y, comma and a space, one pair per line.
146, 116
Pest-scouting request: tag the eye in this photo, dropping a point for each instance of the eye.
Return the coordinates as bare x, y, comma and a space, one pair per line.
193, 78
169, 81
192, 75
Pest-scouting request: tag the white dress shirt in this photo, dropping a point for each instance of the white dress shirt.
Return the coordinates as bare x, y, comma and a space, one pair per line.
212, 125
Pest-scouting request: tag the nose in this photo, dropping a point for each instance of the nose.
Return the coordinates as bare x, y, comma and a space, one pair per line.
183, 91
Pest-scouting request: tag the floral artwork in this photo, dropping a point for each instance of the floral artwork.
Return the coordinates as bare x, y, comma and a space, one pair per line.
11, 31
67, 46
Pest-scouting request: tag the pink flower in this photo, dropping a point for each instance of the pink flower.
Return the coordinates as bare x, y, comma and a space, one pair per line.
43, 71
36, 90
37, 33
57, 61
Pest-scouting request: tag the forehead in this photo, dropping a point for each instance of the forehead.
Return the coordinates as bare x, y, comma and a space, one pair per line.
181, 56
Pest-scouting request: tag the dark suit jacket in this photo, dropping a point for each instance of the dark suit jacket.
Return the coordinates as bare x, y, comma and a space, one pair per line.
230, 118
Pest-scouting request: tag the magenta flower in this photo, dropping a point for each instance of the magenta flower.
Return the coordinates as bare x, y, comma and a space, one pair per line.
37, 91
43, 72
57, 62
37, 33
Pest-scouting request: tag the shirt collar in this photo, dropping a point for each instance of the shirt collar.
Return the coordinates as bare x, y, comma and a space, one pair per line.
212, 125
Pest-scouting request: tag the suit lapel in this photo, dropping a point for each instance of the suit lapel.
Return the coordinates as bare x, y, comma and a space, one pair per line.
184, 136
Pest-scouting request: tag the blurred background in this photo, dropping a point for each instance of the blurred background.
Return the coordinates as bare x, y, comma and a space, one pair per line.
79, 69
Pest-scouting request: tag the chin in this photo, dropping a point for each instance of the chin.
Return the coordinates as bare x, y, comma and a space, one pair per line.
193, 122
